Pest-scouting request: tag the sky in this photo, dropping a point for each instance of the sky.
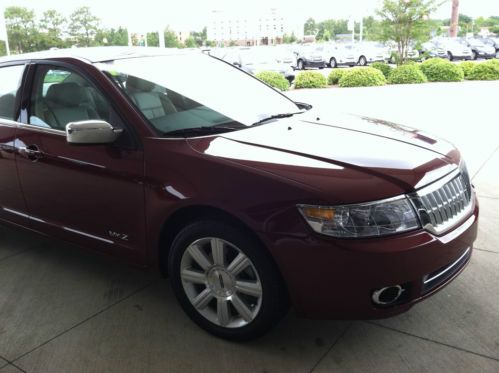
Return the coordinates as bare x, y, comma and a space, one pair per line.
192, 15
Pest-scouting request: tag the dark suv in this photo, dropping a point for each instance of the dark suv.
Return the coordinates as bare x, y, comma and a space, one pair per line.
245, 198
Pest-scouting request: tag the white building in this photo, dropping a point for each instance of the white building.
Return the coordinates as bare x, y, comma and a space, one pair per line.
253, 28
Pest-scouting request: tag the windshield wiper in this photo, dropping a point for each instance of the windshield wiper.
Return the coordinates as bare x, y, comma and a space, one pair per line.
275, 116
200, 130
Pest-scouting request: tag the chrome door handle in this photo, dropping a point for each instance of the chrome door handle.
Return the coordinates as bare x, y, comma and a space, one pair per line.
31, 152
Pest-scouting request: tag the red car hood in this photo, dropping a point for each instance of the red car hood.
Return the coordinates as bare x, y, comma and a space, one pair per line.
358, 157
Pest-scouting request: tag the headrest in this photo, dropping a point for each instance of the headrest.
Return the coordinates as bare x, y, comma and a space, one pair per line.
136, 84
65, 94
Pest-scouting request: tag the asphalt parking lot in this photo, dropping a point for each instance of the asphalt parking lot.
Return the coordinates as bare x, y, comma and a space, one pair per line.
65, 310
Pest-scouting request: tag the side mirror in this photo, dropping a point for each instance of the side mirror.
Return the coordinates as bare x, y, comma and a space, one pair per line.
236, 64
91, 132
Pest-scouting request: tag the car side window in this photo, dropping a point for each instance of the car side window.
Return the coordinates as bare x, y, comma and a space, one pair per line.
62, 96
10, 82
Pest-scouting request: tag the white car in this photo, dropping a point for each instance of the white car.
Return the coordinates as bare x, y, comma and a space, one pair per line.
339, 55
454, 49
372, 52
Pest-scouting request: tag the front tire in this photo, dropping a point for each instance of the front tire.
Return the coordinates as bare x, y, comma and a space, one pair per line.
225, 281
450, 56
362, 61
474, 55
300, 65
333, 63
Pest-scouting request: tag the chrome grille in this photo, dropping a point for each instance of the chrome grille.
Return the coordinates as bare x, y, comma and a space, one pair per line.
443, 204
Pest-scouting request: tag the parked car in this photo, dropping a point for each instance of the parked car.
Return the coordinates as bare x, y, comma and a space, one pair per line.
372, 52
339, 55
246, 199
454, 50
309, 56
479, 49
493, 42
431, 49
254, 60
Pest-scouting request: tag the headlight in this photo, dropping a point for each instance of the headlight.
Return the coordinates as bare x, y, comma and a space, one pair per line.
371, 219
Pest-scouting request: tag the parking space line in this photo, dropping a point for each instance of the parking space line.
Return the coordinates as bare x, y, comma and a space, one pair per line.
430, 340
335, 342
486, 161
84, 321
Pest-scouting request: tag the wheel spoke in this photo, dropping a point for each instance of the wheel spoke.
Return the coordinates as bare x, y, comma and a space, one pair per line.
193, 276
250, 288
239, 263
242, 308
223, 311
199, 256
217, 251
203, 298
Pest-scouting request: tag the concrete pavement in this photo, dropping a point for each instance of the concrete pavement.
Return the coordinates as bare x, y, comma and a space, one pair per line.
65, 310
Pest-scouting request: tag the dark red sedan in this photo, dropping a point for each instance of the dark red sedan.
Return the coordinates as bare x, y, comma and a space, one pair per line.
248, 200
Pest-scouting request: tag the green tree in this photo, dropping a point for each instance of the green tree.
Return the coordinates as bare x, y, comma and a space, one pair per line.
3, 48
51, 28
152, 39
190, 42
289, 39
112, 36
171, 40
83, 26
21, 29
310, 27
405, 21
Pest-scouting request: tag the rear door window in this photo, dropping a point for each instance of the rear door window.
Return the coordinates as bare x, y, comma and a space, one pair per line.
10, 82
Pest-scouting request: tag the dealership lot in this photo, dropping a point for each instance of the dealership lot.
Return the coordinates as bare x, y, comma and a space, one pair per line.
65, 310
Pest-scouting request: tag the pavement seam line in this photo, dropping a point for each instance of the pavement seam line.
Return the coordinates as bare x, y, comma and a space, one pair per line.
15, 366
332, 345
431, 340
82, 322
487, 251
485, 162
488, 197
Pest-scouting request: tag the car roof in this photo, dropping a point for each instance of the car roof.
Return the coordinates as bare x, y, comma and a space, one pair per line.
96, 54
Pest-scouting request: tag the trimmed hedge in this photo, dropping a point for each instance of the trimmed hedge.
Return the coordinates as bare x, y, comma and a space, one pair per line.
273, 79
485, 71
335, 76
467, 66
407, 74
310, 79
440, 70
383, 67
362, 77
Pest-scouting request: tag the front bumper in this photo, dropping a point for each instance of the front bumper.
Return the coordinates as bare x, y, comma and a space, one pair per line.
310, 63
335, 278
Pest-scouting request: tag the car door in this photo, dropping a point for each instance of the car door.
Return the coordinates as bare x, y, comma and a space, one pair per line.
91, 194
12, 205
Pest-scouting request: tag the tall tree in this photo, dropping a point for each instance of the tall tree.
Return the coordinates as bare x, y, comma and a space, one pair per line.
405, 21
454, 19
171, 40
310, 27
112, 36
21, 29
83, 26
51, 28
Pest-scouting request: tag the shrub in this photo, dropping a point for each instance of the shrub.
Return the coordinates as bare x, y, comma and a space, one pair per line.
440, 70
362, 77
310, 79
273, 79
335, 76
485, 71
383, 67
467, 66
407, 74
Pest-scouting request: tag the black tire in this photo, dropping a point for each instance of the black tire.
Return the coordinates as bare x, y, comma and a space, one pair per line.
275, 302
333, 63
300, 65
450, 56
474, 55
362, 61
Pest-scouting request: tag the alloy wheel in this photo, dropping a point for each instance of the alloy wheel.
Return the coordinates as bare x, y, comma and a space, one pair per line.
221, 282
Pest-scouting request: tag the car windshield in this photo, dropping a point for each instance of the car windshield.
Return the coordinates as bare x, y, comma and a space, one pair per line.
193, 91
